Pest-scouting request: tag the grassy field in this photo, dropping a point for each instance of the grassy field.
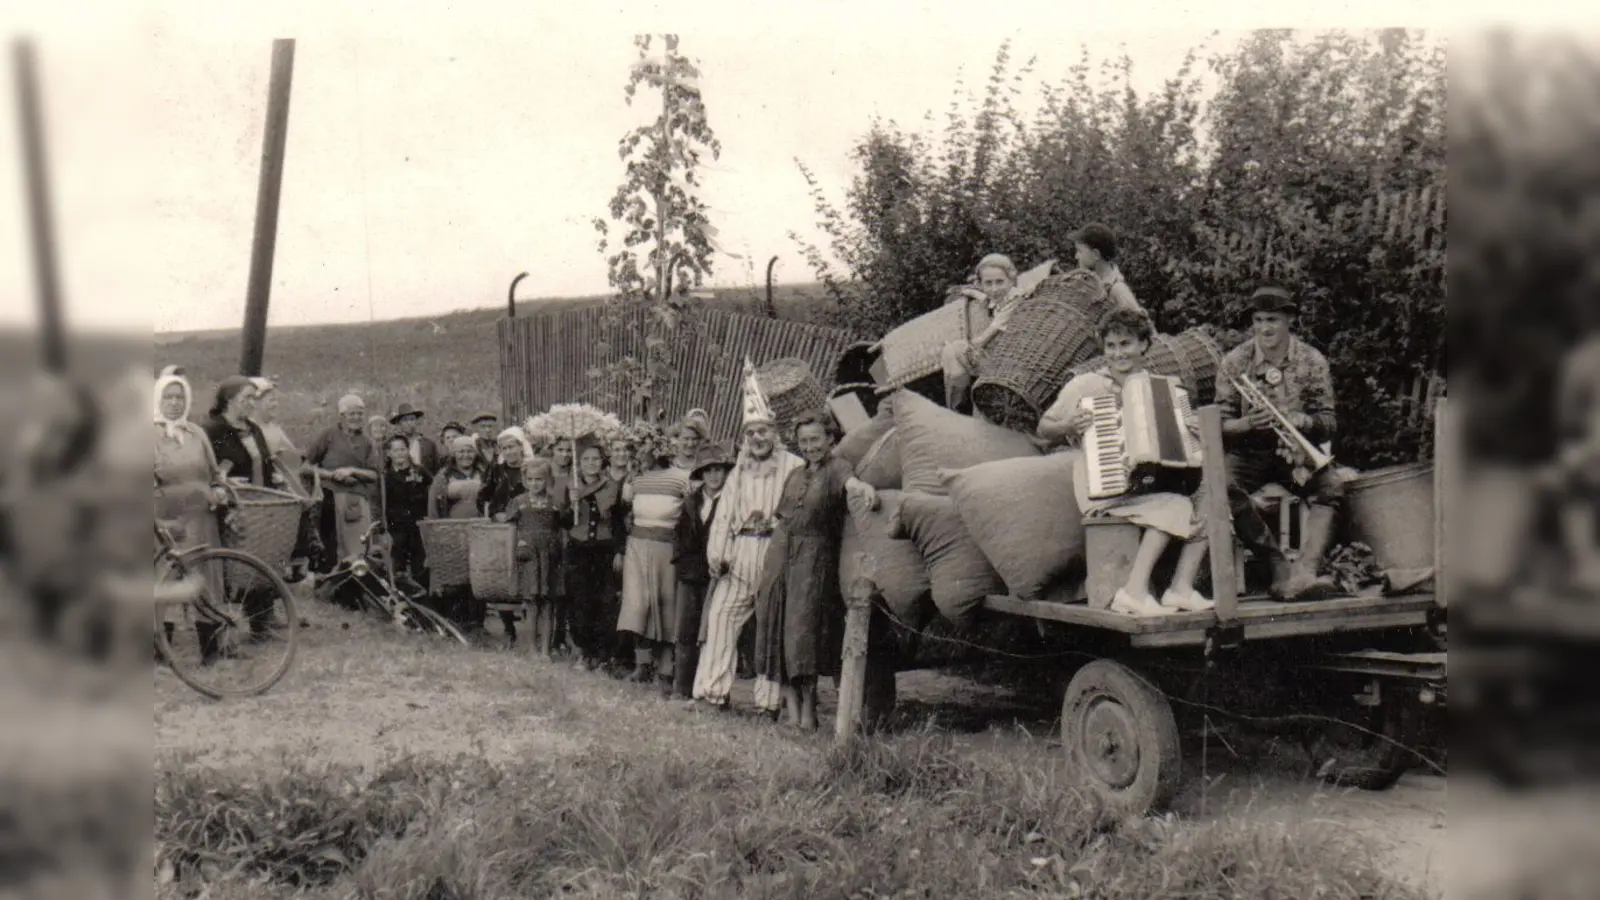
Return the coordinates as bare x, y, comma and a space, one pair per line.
449, 364
389, 767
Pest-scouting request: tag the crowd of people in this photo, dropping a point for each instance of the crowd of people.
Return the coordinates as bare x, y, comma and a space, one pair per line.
651, 556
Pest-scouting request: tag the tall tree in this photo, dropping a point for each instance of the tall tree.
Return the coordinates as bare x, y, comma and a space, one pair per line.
658, 242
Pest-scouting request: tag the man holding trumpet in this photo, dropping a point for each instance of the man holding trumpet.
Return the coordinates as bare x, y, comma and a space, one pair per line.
1276, 396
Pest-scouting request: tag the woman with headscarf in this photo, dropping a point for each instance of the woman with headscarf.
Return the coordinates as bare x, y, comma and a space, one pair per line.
378, 430
649, 578
502, 484
188, 483
308, 546
454, 495
266, 416
503, 480
348, 463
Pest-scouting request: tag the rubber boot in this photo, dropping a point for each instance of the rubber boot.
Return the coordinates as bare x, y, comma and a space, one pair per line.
1304, 584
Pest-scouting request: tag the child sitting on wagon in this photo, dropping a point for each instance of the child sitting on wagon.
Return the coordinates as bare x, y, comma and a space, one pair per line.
539, 523
1125, 336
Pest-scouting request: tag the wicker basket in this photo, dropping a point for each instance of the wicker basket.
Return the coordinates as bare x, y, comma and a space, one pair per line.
911, 351
791, 389
1191, 356
265, 523
447, 543
854, 365
492, 561
1022, 369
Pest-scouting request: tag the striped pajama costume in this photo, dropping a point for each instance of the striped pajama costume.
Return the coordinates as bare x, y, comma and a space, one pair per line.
740, 534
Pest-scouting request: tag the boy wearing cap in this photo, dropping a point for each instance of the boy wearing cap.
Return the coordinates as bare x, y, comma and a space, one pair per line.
485, 428
1296, 379
1095, 247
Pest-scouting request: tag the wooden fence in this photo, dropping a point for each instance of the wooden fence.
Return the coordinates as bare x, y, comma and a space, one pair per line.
1415, 218
558, 357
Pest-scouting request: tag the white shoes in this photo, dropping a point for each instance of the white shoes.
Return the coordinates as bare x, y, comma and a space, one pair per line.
1188, 601
1132, 605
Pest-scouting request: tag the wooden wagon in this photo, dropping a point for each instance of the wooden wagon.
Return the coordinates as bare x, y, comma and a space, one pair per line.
1363, 679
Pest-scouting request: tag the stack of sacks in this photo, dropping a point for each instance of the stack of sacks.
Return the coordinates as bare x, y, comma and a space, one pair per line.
893, 565
1023, 515
873, 450
933, 439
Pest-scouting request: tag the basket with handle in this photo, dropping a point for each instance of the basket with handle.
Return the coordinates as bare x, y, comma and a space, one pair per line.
492, 561
264, 523
1021, 370
791, 389
911, 351
1190, 355
447, 543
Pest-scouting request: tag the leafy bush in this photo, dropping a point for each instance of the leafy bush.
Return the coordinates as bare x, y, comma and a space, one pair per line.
1267, 177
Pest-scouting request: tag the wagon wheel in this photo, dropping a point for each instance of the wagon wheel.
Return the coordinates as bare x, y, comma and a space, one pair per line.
1119, 733
1375, 752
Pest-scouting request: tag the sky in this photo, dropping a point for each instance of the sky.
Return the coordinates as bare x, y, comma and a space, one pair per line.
437, 150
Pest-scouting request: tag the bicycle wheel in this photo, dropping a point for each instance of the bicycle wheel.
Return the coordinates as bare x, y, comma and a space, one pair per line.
230, 642
421, 619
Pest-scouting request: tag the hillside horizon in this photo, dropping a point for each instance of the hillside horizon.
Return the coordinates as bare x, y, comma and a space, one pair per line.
797, 301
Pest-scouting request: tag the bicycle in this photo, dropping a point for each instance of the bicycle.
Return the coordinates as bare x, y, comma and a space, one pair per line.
240, 612
364, 582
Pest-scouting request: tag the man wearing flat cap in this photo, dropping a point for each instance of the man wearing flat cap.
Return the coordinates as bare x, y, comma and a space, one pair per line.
486, 431
1294, 377
407, 420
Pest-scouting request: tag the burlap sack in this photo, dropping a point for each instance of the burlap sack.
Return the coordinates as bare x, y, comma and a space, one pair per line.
894, 566
933, 438
881, 465
853, 447
958, 573
1024, 517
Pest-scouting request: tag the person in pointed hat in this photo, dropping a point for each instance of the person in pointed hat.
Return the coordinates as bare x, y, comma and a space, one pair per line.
736, 547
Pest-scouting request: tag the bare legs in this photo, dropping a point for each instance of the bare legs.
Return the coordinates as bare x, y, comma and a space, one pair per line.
800, 703
1136, 598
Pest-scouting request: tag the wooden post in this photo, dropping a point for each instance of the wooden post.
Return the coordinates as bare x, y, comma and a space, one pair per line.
853, 663
1219, 518
772, 305
268, 191
1446, 476
41, 221
511, 296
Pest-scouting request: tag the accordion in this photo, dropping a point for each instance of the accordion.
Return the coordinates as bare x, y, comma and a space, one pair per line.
1145, 447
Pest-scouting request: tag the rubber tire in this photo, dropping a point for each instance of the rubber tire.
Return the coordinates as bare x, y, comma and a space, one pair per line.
1152, 728
1381, 761
197, 558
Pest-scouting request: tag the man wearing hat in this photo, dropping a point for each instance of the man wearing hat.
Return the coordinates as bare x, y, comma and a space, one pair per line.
407, 420
736, 547
486, 429
689, 559
1295, 379
1096, 249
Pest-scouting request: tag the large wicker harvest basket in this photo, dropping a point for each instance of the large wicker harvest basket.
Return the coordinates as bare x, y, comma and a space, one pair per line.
492, 561
1191, 356
911, 351
791, 389
1022, 369
264, 523
447, 543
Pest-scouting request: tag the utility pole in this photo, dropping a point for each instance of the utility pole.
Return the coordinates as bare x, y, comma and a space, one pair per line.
262, 248
41, 221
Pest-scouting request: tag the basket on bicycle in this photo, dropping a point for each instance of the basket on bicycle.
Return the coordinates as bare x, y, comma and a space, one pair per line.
1190, 355
1021, 370
912, 350
791, 389
492, 561
447, 543
264, 523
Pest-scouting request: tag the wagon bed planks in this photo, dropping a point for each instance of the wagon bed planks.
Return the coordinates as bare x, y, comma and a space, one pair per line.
1260, 619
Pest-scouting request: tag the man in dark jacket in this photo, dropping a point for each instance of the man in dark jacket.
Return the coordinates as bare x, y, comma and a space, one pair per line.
407, 420
689, 557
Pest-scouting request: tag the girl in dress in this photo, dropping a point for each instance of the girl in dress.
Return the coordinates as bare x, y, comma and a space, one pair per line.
1125, 334
539, 523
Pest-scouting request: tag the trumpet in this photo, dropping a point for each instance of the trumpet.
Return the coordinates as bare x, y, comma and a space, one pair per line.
1309, 459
